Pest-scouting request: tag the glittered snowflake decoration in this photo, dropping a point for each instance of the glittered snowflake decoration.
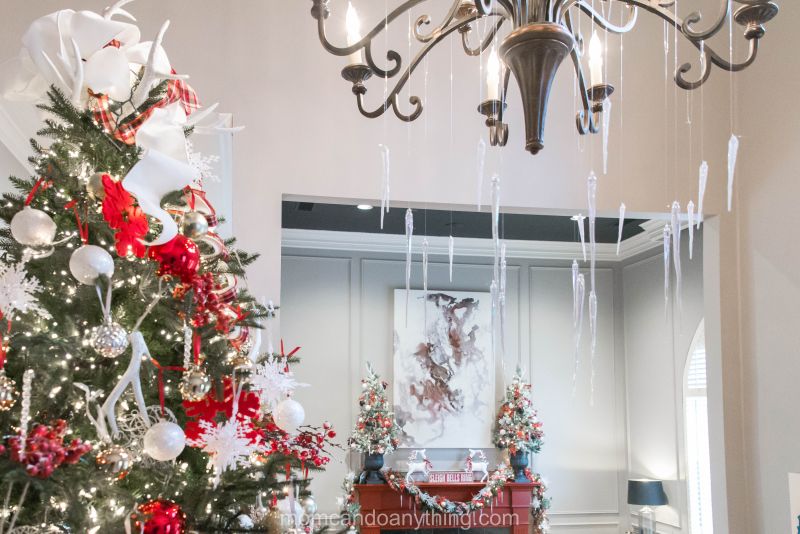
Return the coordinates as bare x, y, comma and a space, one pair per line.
272, 382
203, 164
18, 292
228, 445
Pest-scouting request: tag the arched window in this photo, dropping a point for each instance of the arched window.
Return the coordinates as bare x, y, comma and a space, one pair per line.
698, 459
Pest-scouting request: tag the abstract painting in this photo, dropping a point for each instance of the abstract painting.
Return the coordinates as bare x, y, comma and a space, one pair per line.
443, 369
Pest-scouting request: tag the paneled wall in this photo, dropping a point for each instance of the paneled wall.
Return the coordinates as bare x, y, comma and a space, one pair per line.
338, 306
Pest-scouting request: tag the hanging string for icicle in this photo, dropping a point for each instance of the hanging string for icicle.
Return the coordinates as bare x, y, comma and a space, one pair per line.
385, 187
690, 217
667, 246
480, 171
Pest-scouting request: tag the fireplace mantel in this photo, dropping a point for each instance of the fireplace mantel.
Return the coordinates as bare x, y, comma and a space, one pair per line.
382, 508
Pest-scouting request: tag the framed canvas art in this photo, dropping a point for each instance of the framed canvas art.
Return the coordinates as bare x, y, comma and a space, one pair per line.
444, 385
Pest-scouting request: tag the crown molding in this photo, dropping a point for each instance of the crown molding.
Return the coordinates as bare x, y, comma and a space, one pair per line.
539, 250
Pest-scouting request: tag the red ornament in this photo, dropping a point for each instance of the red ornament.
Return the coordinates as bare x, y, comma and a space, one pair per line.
122, 214
160, 516
178, 257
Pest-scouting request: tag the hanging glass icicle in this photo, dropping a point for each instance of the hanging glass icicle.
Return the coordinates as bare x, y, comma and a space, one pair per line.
451, 246
733, 153
502, 298
606, 127
702, 182
578, 296
425, 284
621, 225
667, 244
384, 182
25, 415
409, 235
579, 218
493, 292
675, 221
690, 215
592, 193
481, 168
496, 224
593, 332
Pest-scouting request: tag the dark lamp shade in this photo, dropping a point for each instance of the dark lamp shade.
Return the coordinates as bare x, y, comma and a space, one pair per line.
646, 493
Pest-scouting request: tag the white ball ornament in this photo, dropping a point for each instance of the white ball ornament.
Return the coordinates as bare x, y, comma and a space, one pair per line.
33, 228
164, 441
289, 414
90, 262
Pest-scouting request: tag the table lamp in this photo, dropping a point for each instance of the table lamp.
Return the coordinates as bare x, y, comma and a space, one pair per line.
646, 493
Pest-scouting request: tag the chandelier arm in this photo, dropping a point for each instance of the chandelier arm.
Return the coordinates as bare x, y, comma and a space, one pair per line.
425, 20
391, 56
695, 17
381, 26
604, 23
715, 59
486, 42
584, 119
391, 99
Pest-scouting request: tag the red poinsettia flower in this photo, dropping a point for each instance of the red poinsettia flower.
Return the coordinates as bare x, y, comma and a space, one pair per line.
122, 214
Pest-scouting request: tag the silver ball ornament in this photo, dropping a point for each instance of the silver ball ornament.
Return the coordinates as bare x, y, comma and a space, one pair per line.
109, 339
194, 225
8, 392
289, 414
33, 228
195, 384
114, 460
89, 262
164, 441
309, 505
94, 186
245, 522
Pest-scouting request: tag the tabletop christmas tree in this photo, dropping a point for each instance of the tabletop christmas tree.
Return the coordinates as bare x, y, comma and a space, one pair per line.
118, 292
517, 427
375, 432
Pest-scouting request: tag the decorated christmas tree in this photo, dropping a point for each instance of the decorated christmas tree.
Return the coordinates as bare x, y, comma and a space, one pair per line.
517, 427
375, 431
127, 323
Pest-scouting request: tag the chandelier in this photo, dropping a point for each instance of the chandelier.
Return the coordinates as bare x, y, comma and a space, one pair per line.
543, 33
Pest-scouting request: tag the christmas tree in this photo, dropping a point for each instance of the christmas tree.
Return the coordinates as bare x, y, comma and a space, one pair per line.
517, 427
375, 431
127, 321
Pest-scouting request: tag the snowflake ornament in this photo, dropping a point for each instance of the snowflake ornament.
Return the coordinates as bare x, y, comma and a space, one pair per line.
203, 164
272, 382
18, 292
227, 445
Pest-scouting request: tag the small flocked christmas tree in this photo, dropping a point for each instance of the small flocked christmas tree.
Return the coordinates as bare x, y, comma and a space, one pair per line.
375, 432
125, 318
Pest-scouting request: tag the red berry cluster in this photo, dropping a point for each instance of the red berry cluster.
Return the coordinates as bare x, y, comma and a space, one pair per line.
45, 449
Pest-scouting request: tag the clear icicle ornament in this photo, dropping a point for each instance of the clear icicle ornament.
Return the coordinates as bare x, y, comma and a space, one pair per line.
606, 127
675, 222
621, 225
25, 416
493, 292
496, 223
701, 191
578, 296
425, 282
502, 297
384, 181
409, 235
451, 246
481, 169
593, 332
690, 216
733, 153
592, 193
667, 245
579, 218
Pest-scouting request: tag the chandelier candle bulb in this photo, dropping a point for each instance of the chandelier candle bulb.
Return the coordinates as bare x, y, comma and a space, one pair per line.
595, 60
353, 25
493, 70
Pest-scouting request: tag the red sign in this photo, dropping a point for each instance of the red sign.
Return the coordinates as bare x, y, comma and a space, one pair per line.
450, 476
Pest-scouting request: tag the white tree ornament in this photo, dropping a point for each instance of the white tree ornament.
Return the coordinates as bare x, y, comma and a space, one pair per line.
226, 444
272, 382
18, 292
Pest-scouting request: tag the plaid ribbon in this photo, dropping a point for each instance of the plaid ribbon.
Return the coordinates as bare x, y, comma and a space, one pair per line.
177, 91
